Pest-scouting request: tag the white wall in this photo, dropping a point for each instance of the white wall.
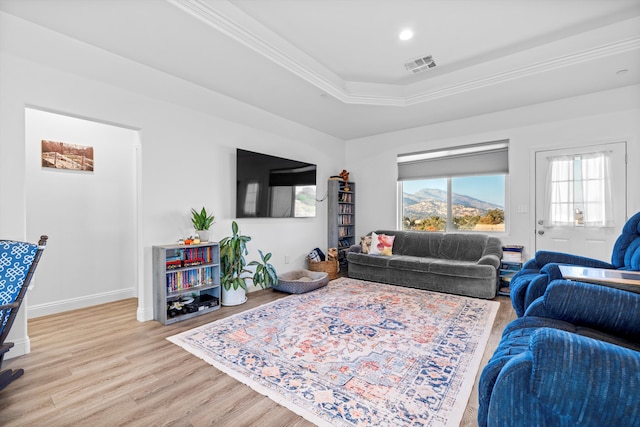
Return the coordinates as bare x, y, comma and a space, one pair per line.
600, 117
188, 141
90, 217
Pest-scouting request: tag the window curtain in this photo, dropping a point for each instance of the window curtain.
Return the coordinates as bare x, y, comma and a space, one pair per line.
559, 192
578, 191
596, 192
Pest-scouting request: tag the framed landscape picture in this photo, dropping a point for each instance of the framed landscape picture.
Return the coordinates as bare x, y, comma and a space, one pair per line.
60, 155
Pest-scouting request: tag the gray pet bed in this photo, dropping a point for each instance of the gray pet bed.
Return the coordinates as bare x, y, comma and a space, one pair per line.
301, 281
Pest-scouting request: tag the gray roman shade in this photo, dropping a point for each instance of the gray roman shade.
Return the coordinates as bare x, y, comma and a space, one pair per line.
490, 158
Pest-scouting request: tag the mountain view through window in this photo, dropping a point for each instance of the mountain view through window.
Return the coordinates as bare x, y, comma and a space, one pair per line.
476, 204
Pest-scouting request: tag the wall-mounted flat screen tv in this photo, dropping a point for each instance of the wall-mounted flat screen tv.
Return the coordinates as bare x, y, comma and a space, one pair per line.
274, 187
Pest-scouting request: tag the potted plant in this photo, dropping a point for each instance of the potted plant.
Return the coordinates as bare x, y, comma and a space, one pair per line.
232, 262
265, 274
201, 222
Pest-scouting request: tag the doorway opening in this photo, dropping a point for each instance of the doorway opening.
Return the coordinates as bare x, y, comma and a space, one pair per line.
90, 214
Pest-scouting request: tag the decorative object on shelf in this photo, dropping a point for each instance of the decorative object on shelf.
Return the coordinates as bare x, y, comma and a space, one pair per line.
192, 240
201, 222
342, 176
345, 177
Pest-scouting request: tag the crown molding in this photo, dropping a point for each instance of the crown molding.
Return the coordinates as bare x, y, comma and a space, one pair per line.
282, 53
529, 70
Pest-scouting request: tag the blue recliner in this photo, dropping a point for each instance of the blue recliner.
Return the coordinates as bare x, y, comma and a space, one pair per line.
573, 359
532, 280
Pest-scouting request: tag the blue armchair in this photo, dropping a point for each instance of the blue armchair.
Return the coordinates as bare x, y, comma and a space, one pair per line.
536, 274
572, 359
564, 379
18, 261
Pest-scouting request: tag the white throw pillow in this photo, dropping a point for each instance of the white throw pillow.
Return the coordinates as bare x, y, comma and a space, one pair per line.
381, 244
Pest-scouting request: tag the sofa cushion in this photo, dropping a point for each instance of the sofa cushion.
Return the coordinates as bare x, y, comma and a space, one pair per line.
407, 262
381, 244
450, 267
462, 247
365, 244
369, 260
421, 244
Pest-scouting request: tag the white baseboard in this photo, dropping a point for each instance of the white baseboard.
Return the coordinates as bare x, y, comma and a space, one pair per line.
20, 346
144, 314
55, 307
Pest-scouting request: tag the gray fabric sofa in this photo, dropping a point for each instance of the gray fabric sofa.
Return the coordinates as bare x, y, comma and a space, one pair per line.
455, 263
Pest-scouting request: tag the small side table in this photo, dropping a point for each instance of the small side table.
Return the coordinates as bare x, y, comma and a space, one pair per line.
621, 279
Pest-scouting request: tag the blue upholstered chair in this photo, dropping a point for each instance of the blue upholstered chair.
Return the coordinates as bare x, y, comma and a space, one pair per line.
18, 261
531, 281
573, 359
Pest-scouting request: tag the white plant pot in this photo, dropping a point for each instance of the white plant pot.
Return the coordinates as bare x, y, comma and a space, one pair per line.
233, 296
203, 235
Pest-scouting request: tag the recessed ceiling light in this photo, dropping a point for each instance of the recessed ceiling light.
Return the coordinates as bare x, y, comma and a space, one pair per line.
405, 34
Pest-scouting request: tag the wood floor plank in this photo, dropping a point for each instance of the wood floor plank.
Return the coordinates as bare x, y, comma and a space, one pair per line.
100, 366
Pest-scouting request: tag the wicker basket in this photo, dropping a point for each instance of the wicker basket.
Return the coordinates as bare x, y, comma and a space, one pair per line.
329, 267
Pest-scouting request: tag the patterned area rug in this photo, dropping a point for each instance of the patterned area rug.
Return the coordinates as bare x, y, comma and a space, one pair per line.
355, 353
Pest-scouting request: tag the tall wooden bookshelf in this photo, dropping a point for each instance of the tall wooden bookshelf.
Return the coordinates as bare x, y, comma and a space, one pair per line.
186, 281
342, 217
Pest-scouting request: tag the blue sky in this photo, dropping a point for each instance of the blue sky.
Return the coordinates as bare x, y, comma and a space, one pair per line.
479, 187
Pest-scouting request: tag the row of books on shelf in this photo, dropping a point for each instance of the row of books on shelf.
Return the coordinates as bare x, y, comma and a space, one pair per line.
345, 219
345, 198
345, 209
507, 273
188, 279
189, 257
345, 231
344, 244
512, 253
508, 269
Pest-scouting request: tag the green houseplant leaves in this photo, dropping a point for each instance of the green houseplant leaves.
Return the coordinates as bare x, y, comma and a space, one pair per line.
265, 274
201, 220
233, 264
232, 252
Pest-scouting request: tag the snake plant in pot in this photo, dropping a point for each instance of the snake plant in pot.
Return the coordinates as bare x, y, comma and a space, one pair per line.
201, 221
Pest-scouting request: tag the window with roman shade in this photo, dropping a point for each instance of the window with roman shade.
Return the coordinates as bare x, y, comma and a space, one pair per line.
463, 188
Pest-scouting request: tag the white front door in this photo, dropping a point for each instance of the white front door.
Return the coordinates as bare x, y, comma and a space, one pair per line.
574, 237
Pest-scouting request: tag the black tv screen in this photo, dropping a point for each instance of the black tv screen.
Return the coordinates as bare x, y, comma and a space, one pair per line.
274, 187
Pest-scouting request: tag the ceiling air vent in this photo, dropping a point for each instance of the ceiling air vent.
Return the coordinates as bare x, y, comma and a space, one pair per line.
420, 64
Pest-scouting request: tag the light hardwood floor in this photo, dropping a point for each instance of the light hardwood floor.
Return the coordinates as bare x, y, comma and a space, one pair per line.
99, 366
